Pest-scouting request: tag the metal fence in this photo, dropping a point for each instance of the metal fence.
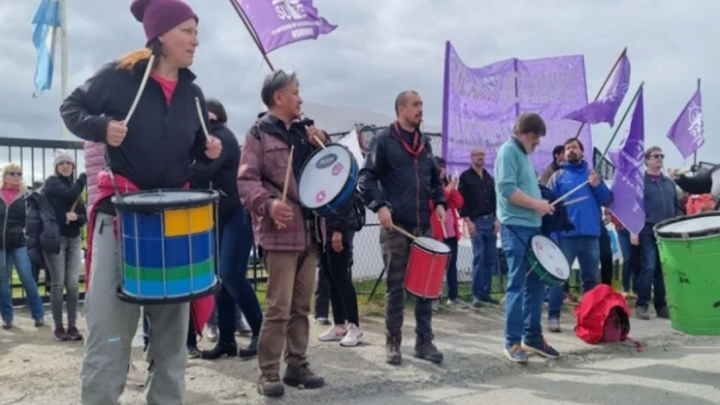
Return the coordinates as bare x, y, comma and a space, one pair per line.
36, 156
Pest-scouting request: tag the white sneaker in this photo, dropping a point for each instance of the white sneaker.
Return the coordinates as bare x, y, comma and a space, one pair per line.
457, 302
435, 305
211, 332
332, 335
353, 337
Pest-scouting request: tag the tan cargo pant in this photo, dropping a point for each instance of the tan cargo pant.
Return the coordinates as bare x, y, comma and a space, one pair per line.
291, 282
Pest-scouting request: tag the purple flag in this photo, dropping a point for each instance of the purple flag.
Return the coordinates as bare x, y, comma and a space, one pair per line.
604, 110
282, 22
481, 104
628, 184
688, 130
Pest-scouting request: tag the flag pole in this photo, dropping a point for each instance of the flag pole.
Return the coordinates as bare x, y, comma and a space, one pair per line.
694, 166
619, 125
607, 79
253, 34
63, 55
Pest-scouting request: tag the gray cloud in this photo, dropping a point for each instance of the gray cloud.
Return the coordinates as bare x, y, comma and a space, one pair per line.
384, 46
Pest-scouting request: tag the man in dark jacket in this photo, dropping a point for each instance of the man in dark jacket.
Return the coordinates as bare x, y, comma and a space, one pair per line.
400, 176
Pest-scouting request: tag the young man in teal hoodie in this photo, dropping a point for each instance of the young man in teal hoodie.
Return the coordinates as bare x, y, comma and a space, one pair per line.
520, 209
582, 243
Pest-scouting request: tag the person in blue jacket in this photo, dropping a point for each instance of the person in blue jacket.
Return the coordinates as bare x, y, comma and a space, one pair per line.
583, 242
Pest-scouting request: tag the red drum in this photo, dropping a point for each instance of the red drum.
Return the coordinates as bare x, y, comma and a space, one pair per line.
427, 265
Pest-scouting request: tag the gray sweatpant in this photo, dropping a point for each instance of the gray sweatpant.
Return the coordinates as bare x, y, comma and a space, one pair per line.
112, 324
64, 270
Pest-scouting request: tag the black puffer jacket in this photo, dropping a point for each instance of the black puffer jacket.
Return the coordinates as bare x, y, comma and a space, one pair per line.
62, 193
350, 217
43, 230
12, 222
222, 172
392, 177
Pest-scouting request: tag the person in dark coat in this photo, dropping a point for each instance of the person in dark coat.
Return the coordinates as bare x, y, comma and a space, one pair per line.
56, 215
236, 240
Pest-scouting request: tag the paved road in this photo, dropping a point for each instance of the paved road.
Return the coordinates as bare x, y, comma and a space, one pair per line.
686, 375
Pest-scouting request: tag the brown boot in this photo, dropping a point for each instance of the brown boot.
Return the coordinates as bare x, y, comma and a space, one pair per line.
426, 350
270, 386
296, 376
392, 346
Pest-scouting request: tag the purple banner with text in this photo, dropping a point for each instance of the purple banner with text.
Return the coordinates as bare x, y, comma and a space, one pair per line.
481, 105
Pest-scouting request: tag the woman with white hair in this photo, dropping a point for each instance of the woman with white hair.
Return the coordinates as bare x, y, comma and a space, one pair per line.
56, 215
13, 250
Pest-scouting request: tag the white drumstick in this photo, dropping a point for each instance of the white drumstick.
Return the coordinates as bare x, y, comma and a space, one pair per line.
577, 200
140, 90
202, 119
566, 195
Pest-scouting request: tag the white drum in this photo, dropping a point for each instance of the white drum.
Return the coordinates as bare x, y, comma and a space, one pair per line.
547, 261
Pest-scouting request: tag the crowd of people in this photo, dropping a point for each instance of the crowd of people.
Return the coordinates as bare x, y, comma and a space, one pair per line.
401, 181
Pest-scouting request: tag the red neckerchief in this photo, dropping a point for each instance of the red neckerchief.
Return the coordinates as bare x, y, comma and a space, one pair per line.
416, 148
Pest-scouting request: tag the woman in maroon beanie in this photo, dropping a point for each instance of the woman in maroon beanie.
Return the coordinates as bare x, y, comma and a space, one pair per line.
153, 151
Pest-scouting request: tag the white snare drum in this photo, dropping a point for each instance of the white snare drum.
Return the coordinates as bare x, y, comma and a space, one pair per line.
547, 261
328, 179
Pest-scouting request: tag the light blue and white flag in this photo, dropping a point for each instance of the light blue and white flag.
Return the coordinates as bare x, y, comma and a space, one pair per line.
46, 23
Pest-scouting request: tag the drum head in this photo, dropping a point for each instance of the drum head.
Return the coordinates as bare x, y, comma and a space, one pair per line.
696, 225
166, 198
550, 257
432, 245
324, 175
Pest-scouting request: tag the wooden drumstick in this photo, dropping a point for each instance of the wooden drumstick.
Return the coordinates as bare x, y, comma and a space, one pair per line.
202, 119
72, 209
288, 171
140, 90
566, 195
577, 200
404, 232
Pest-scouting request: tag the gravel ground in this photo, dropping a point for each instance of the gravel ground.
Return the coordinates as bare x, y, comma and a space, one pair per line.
36, 370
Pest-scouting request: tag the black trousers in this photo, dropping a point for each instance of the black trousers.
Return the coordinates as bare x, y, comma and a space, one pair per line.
336, 270
606, 257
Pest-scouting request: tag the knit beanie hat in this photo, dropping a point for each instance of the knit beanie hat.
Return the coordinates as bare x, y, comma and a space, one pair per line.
160, 16
63, 156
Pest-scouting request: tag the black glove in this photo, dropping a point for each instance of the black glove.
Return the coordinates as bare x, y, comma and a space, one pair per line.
82, 178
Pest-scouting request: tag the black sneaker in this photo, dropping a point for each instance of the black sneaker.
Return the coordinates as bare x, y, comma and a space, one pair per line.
296, 376
7, 325
393, 355
39, 323
221, 349
74, 334
270, 386
249, 352
59, 334
663, 313
193, 352
425, 349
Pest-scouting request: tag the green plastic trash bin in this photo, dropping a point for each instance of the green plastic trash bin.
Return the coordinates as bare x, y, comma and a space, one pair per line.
690, 258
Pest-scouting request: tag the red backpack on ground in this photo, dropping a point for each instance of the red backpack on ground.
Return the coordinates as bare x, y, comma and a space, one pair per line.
603, 316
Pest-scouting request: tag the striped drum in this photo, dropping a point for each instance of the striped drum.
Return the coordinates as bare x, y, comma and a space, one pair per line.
168, 245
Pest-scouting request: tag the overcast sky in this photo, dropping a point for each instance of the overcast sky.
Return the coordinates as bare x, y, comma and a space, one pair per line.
384, 46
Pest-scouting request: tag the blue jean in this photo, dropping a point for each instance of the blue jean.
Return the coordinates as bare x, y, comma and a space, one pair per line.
525, 292
484, 256
236, 241
19, 257
586, 249
452, 273
629, 274
650, 272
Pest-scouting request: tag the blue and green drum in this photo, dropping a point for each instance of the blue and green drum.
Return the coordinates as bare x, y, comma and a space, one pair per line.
168, 245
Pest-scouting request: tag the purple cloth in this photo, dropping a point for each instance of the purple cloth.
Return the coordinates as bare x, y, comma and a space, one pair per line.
688, 130
160, 16
481, 104
281, 22
604, 110
629, 181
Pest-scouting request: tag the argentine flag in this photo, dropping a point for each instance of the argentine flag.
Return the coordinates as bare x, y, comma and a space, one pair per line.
46, 23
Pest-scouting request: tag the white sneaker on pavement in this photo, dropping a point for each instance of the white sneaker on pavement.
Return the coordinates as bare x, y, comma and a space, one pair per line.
353, 337
332, 335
